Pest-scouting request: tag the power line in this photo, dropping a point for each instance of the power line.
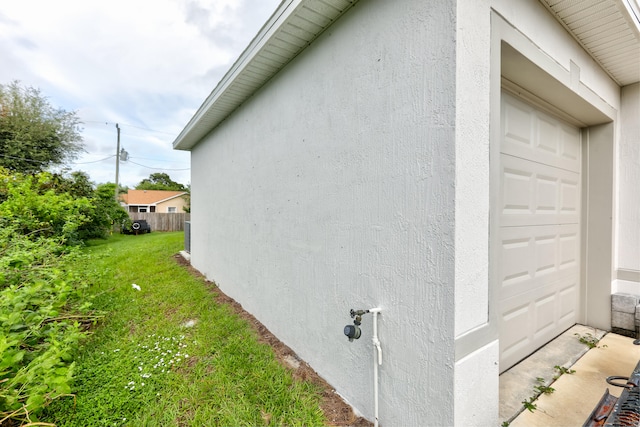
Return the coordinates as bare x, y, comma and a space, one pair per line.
43, 162
94, 161
133, 126
152, 130
24, 159
162, 169
157, 160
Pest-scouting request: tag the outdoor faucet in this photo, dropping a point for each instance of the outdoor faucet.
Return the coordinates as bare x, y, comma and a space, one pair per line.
353, 332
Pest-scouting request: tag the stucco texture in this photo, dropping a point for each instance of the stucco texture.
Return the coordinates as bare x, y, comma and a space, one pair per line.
629, 181
331, 189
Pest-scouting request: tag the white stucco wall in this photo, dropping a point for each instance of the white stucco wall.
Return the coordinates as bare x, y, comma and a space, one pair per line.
476, 368
473, 68
477, 89
332, 189
360, 177
477, 388
472, 152
628, 248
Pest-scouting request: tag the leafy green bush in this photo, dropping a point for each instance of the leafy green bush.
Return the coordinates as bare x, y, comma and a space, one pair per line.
106, 213
41, 323
31, 207
42, 309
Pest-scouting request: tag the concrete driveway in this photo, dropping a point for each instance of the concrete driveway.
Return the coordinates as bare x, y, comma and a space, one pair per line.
575, 395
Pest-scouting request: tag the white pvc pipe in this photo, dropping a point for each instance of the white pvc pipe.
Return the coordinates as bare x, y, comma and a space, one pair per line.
377, 360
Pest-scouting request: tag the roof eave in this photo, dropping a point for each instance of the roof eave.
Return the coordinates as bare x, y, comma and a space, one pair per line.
170, 198
235, 87
590, 21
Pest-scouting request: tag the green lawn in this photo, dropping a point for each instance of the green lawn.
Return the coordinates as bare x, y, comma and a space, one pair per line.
168, 354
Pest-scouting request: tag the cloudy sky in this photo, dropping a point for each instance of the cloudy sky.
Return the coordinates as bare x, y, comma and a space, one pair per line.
144, 64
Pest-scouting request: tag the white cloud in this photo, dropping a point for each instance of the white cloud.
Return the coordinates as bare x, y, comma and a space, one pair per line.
145, 64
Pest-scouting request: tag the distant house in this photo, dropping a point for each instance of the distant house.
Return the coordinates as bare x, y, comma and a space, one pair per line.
470, 167
155, 201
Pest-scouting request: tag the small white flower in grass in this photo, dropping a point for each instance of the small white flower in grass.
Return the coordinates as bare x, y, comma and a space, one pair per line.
136, 287
116, 350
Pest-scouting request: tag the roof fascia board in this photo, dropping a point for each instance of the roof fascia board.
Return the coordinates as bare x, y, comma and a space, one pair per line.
629, 10
170, 198
265, 33
633, 6
633, 15
159, 201
200, 125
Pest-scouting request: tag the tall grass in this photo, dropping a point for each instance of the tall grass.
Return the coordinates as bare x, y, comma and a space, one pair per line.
168, 354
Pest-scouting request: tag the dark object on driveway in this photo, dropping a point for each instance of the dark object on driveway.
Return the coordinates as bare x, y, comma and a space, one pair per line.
138, 226
623, 411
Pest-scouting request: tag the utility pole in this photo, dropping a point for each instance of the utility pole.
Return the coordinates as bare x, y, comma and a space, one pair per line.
117, 161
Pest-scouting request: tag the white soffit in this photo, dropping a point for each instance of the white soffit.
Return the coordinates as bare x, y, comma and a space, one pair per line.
292, 27
609, 30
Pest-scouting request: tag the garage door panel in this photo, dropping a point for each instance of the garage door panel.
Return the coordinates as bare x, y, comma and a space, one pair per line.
569, 245
547, 138
549, 311
536, 194
568, 303
531, 256
513, 341
516, 256
516, 186
569, 196
546, 254
517, 126
538, 238
545, 308
533, 134
546, 194
525, 324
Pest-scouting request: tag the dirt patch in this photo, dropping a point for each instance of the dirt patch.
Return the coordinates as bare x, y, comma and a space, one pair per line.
337, 411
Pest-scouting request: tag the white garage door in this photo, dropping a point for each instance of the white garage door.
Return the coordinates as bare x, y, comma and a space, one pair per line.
539, 234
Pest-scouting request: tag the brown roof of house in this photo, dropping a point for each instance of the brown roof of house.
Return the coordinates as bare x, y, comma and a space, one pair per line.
149, 197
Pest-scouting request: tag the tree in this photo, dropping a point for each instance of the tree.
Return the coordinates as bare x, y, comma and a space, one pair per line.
76, 183
33, 134
160, 181
46, 204
32, 206
107, 213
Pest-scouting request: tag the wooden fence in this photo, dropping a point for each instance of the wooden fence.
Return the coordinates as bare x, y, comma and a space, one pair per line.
162, 221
